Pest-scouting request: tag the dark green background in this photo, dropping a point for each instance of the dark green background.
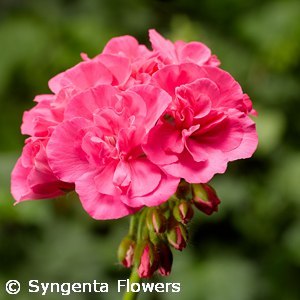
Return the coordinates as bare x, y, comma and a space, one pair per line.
251, 248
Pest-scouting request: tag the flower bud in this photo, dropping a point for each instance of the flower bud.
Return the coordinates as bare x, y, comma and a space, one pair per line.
147, 260
156, 221
183, 190
205, 198
177, 236
183, 211
126, 252
165, 260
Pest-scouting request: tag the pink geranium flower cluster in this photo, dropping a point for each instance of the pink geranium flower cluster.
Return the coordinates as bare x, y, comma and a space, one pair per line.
124, 127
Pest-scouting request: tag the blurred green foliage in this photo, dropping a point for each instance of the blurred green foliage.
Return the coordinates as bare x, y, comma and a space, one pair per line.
250, 250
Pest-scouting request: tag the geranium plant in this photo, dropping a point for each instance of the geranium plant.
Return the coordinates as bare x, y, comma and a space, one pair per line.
138, 132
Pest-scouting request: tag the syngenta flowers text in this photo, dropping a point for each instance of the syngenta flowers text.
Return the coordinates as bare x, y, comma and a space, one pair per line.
67, 288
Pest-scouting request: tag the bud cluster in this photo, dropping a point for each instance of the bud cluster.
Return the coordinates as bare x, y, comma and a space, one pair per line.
148, 245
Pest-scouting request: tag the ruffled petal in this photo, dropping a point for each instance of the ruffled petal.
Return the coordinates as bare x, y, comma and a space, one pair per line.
88, 102
195, 172
100, 206
174, 76
32, 177
156, 100
161, 139
84, 75
164, 47
104, 180
231, 94
194, 52
66, 157
249, 140
166, 188
145, 177
119, 67
36, 121
124, 45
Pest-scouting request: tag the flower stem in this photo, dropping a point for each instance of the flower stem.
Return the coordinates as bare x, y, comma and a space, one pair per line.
134, 219
134, 278
142, 228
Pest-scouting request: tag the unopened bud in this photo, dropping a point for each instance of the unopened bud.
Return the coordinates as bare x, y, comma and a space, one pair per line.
183, 211
205, 198
183, 190
156, 221
147, 260
126, 252
165, 259
177, 236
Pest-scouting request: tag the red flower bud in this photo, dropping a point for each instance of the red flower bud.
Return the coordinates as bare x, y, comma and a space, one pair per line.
183, 190
148, 260
177, 236
126, 252
165, 259
183, 211
205, 198
156, 221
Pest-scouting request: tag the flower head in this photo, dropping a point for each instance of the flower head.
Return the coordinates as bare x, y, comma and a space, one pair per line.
125, 127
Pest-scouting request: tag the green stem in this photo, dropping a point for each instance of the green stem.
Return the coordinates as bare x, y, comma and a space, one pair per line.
134, 220
134, 278
142, 227
137, 228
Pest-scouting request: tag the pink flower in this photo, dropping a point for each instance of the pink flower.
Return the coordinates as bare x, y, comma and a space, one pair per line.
181, 52
99, 148
32, 177
40, 121
126, 125
205, 126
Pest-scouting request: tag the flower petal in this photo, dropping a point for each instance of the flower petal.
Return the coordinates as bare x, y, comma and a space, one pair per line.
174, 76
86, 103
66, 157
145, 177
123, 45
195, 172
82, 76
194, 52
119, 67
231, 94
97, 205
166, 188
164, 47
161, 140
104, 179
156, 100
